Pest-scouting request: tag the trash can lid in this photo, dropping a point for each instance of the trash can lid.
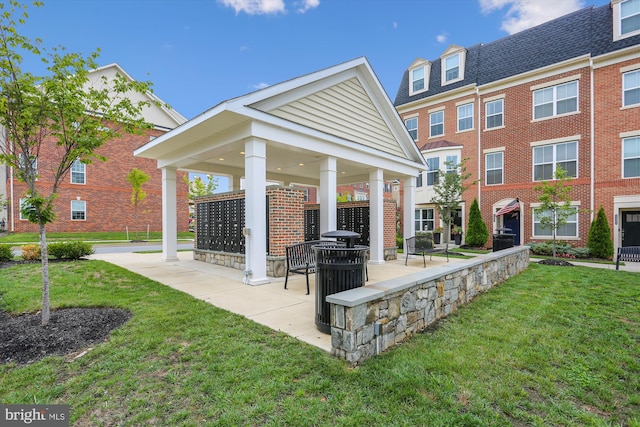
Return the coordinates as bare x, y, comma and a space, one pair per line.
341, 233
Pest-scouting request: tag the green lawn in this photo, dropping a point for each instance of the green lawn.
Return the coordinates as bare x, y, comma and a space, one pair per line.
552, 346
92, 237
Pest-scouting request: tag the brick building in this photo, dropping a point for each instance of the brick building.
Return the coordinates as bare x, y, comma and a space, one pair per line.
97, 196
565, 93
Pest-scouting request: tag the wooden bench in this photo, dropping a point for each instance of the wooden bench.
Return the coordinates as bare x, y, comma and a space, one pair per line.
301, 258
421, 244
628, 254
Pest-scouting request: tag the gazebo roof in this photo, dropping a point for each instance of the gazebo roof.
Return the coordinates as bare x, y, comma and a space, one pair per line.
341, 112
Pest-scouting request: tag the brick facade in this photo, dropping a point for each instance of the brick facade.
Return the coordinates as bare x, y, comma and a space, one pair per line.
106, 191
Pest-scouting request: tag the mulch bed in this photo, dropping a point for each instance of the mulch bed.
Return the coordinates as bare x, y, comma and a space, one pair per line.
24, 340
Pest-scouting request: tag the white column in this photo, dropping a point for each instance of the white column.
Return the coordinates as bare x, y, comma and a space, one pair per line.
255, 164
234, 183
328, 206
376, 217
169, 215
409, 200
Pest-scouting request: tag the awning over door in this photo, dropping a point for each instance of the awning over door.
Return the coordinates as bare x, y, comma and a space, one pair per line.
514, 205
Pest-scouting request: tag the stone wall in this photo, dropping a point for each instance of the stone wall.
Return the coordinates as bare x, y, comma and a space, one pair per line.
368, 320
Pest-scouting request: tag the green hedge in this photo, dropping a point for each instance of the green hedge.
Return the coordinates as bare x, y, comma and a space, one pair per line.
6, 254
563, 250
70, 250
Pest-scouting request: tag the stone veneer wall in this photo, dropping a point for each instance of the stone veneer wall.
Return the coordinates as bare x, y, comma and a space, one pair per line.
368, 320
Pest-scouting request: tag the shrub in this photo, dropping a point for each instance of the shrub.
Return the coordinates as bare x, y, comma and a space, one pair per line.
400, 242
6, 254
70, 250
30, 252
599, 237
477, 232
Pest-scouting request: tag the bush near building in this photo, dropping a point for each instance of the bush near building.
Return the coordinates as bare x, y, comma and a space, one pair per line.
599, 238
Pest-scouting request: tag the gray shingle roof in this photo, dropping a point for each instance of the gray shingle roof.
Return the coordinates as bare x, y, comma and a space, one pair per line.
588, 31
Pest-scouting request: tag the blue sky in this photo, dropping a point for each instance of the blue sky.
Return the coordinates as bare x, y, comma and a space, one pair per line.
198, 53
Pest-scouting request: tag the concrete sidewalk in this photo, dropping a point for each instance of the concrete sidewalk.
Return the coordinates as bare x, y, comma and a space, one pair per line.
289, 311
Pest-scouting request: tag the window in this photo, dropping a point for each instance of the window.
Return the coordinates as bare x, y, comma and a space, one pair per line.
569, 229
547, 158
494, 164
419, 180
78, 172
417, 80
436, 123
452, 67
451, 164
21, 204
78, 210
412, 127
361, 196
494, 113
34, 164
555, 100
629, 16
631, 88
631, 157
424, 219
465, 117
433, 169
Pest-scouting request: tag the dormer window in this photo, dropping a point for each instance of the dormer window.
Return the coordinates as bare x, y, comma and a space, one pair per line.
453, 61
419, 76
626, 18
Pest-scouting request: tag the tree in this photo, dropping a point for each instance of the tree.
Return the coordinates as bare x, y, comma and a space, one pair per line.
477, 232
449, 189
62, 109
197, 186
599, 238
137, 178
555, 204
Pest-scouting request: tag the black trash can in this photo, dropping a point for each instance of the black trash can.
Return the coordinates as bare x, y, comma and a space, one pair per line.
504, 239
338, 269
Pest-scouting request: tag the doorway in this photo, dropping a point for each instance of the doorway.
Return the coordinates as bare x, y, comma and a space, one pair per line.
630, 228
512, 221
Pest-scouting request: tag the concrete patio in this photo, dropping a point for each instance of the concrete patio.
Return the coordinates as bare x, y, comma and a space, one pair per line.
289, 311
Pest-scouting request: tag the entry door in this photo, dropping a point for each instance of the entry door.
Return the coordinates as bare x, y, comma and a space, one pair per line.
630, 228
512, 221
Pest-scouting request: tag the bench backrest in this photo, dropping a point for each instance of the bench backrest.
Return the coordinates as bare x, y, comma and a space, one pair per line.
629, 253
420, 242
301, 255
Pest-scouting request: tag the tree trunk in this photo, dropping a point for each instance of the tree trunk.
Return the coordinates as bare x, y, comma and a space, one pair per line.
45, 275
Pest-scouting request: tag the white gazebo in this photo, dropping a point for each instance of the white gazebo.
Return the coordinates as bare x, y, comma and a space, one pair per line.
334, 126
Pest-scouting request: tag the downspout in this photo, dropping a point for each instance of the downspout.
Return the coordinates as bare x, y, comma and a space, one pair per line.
11, 204
592, 143
479, 149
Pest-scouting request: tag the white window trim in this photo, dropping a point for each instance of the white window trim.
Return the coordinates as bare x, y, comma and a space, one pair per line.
623, 90
84, 172
20, 203
409, 130
461, 64
472, 117
71, 211
433, 220
554, 161
430, 125
554, 102
616, 5
623, 158
486, 115
431, 172
427, 73
574, 205
486, 169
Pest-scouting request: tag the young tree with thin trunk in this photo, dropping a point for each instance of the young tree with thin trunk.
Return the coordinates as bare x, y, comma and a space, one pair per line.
555, 203
448, 193
62, 109
137, 178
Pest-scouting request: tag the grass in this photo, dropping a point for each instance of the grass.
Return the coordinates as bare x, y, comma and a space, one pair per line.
552, 346
89, 237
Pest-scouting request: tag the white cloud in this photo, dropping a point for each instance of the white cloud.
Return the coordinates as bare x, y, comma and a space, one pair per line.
306, 5
269, 7
260, 85
523, 14
395, 25
256, 7
441, 38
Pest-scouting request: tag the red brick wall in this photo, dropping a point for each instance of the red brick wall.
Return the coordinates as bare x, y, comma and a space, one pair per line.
106, 191
610, 121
